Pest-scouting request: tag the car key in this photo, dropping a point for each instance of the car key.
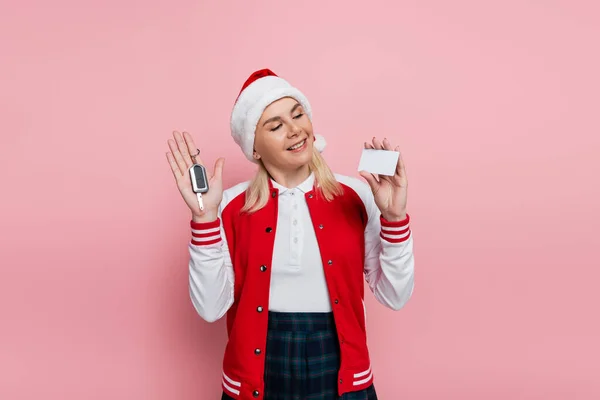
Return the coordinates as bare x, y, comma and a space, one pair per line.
199, 182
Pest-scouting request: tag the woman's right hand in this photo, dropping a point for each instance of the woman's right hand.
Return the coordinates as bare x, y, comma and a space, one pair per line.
180, 160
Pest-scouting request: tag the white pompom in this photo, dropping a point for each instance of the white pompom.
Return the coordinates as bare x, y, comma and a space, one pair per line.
319, 143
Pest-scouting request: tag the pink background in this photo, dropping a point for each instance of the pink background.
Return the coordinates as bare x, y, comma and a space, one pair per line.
494, 103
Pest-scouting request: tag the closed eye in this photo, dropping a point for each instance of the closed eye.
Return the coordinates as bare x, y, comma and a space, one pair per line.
298, 116
277, 127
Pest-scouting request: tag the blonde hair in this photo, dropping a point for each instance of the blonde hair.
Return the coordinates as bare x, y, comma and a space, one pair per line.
257, 193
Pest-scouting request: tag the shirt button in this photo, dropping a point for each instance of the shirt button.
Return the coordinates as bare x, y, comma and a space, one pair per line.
257, 351
336, 301
269, 229
259, 309
263, 268
295, 240
329, 262
321, 226
295, 222
255, 393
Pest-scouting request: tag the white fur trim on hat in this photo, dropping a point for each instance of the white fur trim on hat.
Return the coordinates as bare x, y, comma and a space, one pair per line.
320, 142
251, 103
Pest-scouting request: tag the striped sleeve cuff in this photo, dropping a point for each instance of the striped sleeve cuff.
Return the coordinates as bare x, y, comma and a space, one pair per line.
395, 232
206, 233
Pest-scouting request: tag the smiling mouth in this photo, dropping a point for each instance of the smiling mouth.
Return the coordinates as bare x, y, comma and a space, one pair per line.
297, 145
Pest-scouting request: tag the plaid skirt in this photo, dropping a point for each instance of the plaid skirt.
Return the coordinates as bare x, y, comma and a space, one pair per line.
303, 359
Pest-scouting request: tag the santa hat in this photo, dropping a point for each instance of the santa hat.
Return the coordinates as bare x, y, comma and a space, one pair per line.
262, 88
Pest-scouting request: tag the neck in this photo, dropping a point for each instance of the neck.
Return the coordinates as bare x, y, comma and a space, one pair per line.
289, 178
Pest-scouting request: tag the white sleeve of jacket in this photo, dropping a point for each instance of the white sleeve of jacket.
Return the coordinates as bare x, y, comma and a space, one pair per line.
211, 277
389, 259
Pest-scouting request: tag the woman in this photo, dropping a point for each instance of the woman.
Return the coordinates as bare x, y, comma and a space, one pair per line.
285, 255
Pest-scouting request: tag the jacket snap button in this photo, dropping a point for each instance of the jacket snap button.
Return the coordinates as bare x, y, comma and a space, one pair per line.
257, 351
336, 301
259, 309
255, 393
269, 229
321, 226
273, 194
263, 268
341, 381
310, 196
329, 262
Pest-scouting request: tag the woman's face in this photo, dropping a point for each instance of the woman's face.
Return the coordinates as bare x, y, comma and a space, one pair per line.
284, 135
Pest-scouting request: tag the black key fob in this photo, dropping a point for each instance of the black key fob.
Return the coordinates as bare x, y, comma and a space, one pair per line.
198, 178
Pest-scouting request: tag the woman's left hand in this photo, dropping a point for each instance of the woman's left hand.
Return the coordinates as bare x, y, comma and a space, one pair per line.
390, 192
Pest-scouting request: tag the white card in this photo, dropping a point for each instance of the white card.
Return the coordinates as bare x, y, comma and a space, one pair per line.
382, 162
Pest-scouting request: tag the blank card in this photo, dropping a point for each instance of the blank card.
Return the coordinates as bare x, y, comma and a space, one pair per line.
382, 162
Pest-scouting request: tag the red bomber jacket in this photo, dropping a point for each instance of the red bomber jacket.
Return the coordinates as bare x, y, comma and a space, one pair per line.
230, 265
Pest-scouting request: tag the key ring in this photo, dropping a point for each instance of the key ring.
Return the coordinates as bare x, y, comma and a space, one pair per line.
194, 156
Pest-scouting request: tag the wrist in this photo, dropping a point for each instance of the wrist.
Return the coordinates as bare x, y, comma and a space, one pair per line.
394, 217
207, 216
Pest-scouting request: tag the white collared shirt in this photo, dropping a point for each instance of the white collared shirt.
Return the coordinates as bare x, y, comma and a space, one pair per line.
297, 265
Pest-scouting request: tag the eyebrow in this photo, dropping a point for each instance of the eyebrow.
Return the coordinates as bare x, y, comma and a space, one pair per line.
279, 118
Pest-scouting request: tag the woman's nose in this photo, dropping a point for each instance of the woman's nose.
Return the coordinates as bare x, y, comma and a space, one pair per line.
295, 130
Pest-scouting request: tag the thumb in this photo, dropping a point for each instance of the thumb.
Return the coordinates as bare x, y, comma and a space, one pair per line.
219, 168
370, 178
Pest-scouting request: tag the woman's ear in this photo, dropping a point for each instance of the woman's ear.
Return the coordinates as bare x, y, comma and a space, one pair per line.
255, 155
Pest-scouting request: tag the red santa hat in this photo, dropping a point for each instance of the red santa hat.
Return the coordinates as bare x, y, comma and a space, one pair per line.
262, 88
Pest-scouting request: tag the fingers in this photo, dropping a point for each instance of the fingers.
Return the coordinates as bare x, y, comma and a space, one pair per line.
219, 164
183, 148
191, 147
181, 164
400, 168
174, 167
377, 144
386, 144
371, 180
